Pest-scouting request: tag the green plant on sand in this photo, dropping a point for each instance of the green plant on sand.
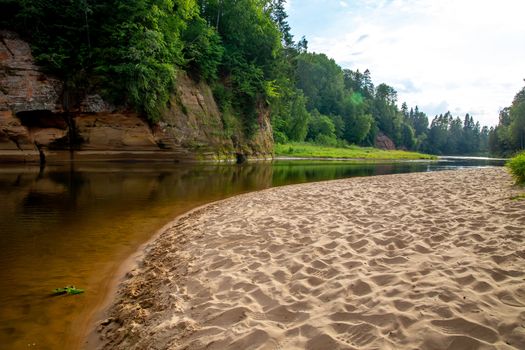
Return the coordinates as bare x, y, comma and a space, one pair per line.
516, 167
68, 290
518, 197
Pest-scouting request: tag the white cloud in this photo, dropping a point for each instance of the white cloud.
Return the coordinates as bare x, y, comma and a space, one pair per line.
465, 54
343, 4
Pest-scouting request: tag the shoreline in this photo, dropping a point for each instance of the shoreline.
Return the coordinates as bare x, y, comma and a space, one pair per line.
168, 264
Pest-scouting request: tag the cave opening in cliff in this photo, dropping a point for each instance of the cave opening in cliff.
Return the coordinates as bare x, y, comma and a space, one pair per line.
42, 118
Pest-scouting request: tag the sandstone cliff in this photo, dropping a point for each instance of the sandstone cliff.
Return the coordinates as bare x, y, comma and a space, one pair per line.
35, 123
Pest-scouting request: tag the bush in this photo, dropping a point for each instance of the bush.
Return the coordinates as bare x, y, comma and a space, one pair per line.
326, 140
279, 137
517, 167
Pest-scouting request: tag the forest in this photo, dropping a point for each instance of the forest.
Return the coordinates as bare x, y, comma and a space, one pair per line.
132, 50
508, 137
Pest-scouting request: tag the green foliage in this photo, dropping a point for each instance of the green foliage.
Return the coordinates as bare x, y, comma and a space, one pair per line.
140, 50
517, 167
223, 96
449, 135
68, 290
129, 49
251, 41
358, 127
290, 118
132, 51
518, 197
509, 135
517, 117
308, 150
203, 50
322, 130
58, 32
321, 81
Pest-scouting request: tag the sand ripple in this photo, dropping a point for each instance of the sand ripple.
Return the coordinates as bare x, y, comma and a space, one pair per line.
416, 261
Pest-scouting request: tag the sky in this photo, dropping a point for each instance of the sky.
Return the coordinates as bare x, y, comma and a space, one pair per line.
466, 56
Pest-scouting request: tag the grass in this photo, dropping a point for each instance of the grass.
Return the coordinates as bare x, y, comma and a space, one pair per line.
307, 150
517, 168
518, 197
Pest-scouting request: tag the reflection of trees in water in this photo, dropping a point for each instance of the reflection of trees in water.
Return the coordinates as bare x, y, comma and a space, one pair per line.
200, 182
71, 192
60, 192
297, 172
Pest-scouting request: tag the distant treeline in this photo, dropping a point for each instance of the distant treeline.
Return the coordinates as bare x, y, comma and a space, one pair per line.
329, 105
508, 137
131, 51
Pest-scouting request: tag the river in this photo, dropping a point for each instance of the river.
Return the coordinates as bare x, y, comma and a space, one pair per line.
75, 224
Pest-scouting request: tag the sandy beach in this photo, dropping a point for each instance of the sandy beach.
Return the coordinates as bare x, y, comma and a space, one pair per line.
413, 261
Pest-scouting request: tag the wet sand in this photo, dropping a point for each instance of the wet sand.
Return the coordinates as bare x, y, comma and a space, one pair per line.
413, 261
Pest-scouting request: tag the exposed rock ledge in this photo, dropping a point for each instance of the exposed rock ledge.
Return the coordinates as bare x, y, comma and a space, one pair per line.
384, 142
34, 122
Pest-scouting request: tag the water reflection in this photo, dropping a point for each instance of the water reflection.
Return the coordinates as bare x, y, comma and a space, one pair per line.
75, 224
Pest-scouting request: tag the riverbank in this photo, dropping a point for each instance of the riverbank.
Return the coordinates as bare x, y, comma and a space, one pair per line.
312, 151
423, 260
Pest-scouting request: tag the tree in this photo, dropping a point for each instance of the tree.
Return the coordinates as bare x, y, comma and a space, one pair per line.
251, 41
419, 122
141, 48
385, 112
302, 45
404, 110
508, 136
290, 118
203, 51
322, 129
517, 117
279, 15
321, 81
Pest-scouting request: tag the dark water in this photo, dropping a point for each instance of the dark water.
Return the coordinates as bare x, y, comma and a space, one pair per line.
75, 224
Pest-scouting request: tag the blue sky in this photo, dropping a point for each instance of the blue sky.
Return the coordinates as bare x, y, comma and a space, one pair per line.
466, 56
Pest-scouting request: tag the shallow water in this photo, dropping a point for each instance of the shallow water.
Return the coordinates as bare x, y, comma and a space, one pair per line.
75, 224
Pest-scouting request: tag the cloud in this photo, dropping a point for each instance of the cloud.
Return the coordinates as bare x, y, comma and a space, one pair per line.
434, 109
405, 86
467, 53
343, 4
361, 38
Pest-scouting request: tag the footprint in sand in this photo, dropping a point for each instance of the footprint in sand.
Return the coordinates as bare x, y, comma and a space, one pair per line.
460, 326
322, 342
281, 314
361, 334
229, 317
259, 316
325, 275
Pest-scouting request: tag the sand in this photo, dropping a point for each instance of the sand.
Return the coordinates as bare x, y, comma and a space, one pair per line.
414, 261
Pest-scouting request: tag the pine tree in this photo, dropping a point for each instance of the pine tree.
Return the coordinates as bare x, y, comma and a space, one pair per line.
279, 15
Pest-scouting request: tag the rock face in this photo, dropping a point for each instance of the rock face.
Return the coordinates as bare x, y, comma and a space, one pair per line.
193, 121
33, 120
384, 142
23, 87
